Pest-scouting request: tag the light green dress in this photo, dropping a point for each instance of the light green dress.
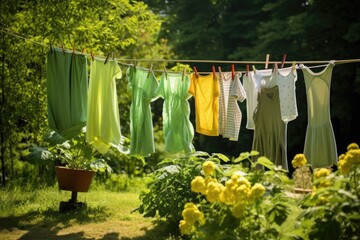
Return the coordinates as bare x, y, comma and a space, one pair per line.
178, 130
142, 86
66, 92
103, 125
320, 146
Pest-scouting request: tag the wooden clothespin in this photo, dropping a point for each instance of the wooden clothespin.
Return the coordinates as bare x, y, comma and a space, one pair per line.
83, 50
214, 72
107, 57
196, 72
183, 74
247, 70
62, 47
92, 55
275, 67
267, 61
293, 67
150, 69
73, 52
283, 61
219, 68
232, 72
165, 72
254, 69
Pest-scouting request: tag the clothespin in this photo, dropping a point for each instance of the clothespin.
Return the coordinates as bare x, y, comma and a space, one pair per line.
73, 50
267, 61
165, 72
92, 56
107, 57
83, 50
275, 67
247, 69
150, 69
219, 69
214, 73
293, 67
183, 74
283, 61
254, 69
196, 72
62, 47
51, 49
232, 72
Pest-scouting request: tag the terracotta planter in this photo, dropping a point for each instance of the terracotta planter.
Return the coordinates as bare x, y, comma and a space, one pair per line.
74, 180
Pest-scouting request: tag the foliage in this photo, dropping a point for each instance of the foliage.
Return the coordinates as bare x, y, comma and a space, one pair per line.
334, 205
126, 28
75, 153
168, 186
242, 205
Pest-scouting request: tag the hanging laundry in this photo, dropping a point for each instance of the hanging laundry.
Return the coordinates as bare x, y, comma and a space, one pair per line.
178, 130
230, 115
264, 79
103, 124
270, 130
251, 91
285, 80
205, 90
66, 92
142, 86
320, 146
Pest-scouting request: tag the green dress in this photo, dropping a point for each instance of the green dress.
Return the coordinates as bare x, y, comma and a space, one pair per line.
142, 86
320, 146
270, 130
178, 130
67, 85
103, 125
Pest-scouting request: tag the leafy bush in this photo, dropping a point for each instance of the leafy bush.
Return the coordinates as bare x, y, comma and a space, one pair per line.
168, 187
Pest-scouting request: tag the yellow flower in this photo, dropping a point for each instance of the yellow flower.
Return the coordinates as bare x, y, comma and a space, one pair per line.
185, 227
242, 193
344, 166
198, 185
322, 172
214, 191
243, 181
208, 168
257, 190
299, 160
191, 214
352, 146
341, 157
238, 210
353, 156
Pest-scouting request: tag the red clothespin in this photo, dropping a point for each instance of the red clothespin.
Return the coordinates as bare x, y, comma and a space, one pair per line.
92, 56
232, 72
214, 73
196, 72
283, 61
247, 69
82, 50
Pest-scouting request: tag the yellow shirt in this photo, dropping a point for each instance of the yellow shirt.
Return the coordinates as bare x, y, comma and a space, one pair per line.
205, 90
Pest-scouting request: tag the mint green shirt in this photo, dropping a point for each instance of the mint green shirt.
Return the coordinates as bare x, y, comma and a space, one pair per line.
142, 86
178, 130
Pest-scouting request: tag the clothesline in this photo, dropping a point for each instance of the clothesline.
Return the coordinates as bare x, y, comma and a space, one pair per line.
133, 60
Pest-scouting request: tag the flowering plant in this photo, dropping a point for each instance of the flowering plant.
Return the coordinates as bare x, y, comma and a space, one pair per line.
234, 206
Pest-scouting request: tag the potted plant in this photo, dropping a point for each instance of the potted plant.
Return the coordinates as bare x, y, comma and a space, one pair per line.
75, 162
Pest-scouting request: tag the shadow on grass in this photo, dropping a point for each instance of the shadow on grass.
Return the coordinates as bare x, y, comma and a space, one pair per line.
161, 230
47, 224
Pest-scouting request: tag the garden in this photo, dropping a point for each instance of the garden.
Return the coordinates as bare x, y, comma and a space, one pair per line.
217, 187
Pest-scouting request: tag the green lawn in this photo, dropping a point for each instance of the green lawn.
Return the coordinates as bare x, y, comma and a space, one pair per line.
33, 214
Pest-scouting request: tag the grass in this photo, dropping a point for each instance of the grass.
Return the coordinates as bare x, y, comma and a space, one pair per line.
33, 214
